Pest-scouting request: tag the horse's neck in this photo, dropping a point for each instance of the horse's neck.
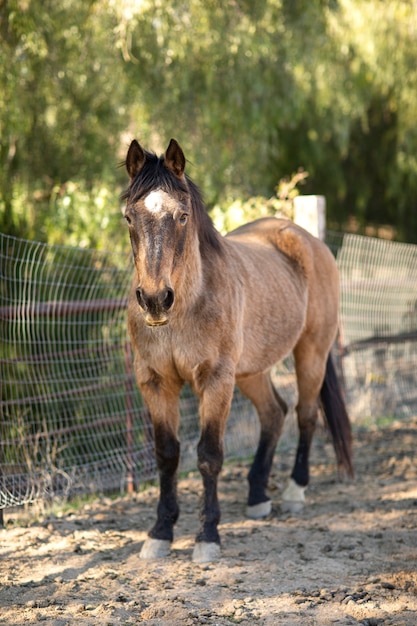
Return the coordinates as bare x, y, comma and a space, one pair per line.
192, 275
201, 269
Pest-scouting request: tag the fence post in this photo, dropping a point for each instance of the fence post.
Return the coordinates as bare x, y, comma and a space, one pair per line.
310, 213
130, 473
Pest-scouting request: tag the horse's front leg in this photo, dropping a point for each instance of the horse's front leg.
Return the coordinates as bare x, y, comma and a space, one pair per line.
215, 401
163, 407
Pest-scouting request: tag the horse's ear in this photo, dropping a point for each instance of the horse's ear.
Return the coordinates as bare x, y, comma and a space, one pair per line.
174, 158
135, 159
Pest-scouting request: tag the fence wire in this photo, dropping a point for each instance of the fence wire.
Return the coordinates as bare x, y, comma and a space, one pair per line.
378, 326
72, 420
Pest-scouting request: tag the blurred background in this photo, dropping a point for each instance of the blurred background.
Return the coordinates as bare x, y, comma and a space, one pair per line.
261, 94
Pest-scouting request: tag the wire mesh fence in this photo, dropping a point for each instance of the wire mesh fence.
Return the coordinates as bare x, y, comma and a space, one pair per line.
378, 325
72, 420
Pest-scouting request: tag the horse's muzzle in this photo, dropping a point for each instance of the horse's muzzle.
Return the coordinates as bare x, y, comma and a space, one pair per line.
155, 306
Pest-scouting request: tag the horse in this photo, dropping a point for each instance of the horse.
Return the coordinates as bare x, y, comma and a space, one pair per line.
214, 311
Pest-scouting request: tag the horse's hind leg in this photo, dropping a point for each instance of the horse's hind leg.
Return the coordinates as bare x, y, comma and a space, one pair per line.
310, 370
271, 411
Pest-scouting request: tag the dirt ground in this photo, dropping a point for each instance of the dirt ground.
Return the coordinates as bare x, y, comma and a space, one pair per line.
350, 557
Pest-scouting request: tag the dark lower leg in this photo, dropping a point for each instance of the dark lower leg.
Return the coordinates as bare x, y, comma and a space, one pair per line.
167, 456
210, 460
210, 512
271, 411
260, 470
300, 473
272, 419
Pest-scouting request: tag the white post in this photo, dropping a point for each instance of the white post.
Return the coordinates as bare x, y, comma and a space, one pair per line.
310, 213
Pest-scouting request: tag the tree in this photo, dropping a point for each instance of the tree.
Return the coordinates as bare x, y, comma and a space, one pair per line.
61, 108
252, 89
257, 89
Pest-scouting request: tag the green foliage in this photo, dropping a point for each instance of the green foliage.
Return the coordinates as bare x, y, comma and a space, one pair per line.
61, 107
84, 216
260, 89
234, 214
252, 89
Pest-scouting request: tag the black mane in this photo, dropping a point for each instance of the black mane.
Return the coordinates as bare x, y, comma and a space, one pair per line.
155, 175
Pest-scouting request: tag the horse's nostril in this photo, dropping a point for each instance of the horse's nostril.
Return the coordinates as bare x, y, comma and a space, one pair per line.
169, 299
157, 303
139, 298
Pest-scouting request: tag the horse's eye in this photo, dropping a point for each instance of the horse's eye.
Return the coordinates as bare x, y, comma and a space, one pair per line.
128, 220
183, 218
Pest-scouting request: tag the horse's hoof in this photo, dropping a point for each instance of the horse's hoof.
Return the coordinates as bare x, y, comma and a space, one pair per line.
292, 507
258, 511
155, 548
205, 551
293, 498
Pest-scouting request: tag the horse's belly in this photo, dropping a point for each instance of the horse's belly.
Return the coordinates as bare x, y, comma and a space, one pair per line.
263, 350
273, 321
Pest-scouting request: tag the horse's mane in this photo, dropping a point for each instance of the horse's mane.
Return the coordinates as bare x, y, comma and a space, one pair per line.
155, 175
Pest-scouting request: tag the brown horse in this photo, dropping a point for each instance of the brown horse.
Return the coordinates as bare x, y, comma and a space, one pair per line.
211, 311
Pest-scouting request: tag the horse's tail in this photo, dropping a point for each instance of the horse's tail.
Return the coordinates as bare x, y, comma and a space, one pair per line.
336, 418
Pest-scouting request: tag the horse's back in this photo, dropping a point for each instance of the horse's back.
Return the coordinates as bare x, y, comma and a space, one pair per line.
287, 237
310, 258
274, 295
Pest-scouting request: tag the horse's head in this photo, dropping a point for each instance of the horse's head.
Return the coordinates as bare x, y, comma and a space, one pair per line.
159, 212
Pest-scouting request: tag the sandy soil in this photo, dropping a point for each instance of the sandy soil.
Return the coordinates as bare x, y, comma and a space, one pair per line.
350, 557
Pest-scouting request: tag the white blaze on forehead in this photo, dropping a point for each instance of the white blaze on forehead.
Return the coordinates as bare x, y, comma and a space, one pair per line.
155, 202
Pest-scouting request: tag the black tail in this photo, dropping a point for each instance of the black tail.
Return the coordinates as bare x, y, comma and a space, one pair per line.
337, 418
